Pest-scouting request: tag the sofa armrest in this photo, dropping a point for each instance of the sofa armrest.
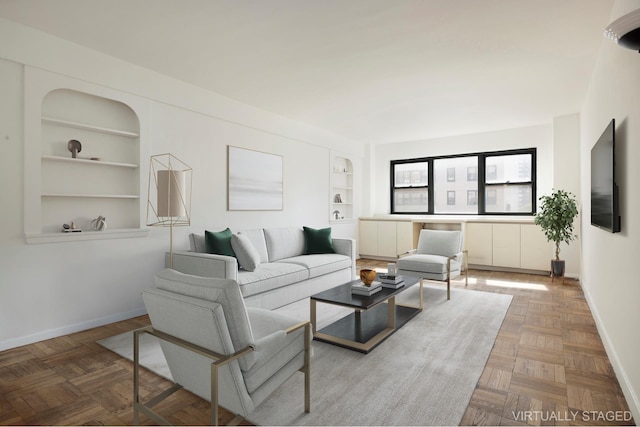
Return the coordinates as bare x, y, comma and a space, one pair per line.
346, 247
203, 264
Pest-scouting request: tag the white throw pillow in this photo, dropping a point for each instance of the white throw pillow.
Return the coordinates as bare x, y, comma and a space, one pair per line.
247, 255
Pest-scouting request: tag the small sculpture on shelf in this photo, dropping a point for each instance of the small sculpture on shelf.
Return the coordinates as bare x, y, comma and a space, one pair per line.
75, 147
66, 228
337, 198
99, 224
336, 214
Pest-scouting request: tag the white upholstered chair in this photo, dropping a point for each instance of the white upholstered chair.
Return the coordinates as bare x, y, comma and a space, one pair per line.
439, 256
219, 349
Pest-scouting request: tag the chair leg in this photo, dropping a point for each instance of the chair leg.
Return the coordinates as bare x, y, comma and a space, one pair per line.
466, 268
214, 395
307, 368
449, 279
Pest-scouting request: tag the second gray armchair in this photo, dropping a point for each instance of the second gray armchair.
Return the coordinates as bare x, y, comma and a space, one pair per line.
439, 256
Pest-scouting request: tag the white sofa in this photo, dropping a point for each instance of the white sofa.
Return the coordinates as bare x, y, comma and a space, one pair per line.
285, 274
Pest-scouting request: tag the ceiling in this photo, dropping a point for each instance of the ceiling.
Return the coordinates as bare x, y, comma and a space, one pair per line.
374, 71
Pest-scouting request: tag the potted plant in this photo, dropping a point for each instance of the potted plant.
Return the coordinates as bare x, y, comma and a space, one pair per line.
555, 217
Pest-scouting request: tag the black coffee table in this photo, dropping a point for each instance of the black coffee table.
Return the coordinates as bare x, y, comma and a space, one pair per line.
374, 319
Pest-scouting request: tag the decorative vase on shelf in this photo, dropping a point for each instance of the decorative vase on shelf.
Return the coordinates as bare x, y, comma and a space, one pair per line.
75, 147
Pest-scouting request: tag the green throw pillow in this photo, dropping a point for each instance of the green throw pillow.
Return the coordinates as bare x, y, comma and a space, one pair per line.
218, 242
318, 241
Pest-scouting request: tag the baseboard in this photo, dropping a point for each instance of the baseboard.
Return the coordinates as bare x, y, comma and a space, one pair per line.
627, 389
69, 329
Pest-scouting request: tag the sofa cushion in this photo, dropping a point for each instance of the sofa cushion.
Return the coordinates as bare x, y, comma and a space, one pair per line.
248, 257
318, 241
256, 236
284, 242
218, 242
319, 264
270, 276
196, 243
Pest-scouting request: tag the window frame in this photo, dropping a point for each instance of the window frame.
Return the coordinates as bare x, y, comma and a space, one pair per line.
481, 180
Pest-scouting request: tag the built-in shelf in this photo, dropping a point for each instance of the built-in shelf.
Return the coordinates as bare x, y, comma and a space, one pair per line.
89, 161
40, 238
341, 203
90, 127
103, 180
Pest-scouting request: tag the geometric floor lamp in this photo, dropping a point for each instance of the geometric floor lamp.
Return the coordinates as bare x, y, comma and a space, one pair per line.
169, 200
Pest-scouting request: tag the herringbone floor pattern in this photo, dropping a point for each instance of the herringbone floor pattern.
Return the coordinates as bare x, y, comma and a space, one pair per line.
547, 367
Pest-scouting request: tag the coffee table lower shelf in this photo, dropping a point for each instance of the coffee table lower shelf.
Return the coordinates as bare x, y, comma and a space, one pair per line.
364, 330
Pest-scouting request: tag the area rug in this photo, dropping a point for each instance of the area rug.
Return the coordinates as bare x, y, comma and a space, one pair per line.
424, 374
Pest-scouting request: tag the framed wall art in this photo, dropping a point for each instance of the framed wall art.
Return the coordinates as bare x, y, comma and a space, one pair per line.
255, 181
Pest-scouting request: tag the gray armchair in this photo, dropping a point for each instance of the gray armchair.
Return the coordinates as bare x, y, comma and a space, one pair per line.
439, 256
219, 349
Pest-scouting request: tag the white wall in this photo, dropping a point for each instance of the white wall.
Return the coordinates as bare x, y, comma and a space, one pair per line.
566, 176
609, 274
57, 288
540, 137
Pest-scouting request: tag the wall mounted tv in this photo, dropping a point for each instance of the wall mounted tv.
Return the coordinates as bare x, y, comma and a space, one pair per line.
604, 191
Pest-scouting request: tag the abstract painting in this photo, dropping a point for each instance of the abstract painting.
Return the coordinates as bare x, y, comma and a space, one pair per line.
255, 180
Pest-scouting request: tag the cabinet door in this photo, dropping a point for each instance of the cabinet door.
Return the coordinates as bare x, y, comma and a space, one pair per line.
479, 240
404, 237
368, 238
506, 245
387, 236
535, 250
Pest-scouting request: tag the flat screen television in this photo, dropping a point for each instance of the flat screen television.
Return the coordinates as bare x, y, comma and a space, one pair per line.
604, 191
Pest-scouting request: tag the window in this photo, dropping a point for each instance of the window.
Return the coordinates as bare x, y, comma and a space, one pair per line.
411, 189
451, 174
472, 197
472, 173
502, 182
512, 184
444, 189
451, 198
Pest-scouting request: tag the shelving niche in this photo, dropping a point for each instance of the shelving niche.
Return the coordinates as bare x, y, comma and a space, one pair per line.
341, 190
104, 179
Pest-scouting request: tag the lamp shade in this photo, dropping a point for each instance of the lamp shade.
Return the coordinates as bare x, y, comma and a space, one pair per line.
171, 193
169, 201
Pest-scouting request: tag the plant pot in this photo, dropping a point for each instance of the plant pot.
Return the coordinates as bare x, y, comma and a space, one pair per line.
557, 268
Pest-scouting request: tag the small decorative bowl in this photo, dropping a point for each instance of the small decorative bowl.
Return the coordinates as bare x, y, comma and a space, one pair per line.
367, 276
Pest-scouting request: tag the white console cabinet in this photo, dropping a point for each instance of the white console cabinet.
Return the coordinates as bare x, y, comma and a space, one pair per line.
491, 243
519, 246
385, 239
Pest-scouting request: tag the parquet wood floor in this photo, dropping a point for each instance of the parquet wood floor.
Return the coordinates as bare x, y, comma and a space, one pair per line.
547, 367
